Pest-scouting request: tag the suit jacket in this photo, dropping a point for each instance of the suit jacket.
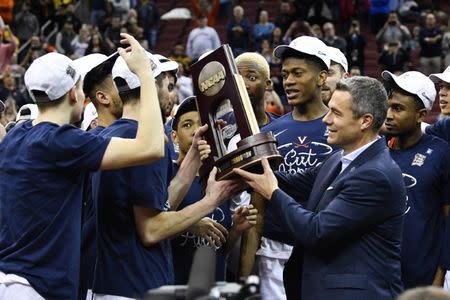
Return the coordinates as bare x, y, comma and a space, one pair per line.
349, 235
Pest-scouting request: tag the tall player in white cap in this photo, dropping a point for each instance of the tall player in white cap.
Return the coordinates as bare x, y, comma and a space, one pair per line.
43, 164
132, 205
338, 70
425, 164
302, 141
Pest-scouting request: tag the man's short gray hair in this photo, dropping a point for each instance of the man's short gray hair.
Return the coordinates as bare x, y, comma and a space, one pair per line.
368, 97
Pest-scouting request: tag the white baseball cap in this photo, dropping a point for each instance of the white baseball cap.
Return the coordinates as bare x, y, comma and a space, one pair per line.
90, 113
54, 74
307, 45
167, 65
27, 112
120, 69
338, 57
445, 76
86, 63
415, 83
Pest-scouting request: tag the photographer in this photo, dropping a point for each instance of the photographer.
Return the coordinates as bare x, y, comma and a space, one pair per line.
394, 58
393, 31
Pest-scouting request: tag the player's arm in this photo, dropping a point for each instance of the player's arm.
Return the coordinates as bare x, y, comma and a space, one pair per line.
244, 218
148, 145
251, 239
182, 181
154, 225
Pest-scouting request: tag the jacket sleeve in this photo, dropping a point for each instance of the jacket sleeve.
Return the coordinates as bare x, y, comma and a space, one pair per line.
299, 185
362, 203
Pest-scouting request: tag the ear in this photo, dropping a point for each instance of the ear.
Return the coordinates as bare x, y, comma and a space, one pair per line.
174, 137
102, 98
366, 122
72, 95
346, 75
322, 77
268, 84
421, 114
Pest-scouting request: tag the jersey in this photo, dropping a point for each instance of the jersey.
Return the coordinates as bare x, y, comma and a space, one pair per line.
124, 266
184, 246
426, 172
88, 247
42, 171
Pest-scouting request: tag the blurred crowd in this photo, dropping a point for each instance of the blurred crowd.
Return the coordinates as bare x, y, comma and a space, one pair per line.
409, 35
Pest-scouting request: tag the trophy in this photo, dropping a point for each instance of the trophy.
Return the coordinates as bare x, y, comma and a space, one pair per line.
223, 104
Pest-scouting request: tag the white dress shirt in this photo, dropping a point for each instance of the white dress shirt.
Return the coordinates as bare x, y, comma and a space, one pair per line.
347, 159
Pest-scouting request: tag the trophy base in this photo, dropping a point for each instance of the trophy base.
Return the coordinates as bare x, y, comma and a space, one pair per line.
248, 156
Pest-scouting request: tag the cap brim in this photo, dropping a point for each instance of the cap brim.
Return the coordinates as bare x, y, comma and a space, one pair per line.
436, 78
112, 58
180, 107
279, 50
169, 66
390, 77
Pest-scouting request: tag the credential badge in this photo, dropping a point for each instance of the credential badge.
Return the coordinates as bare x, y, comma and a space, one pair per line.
418, 160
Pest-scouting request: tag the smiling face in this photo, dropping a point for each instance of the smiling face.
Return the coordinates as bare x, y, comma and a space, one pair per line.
344, 130
403, 117
444, 98
301, 80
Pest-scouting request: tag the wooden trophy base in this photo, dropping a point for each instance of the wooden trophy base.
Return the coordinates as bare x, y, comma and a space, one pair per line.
248, 155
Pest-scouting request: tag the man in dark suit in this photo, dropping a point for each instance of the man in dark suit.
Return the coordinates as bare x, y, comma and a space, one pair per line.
349, 233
